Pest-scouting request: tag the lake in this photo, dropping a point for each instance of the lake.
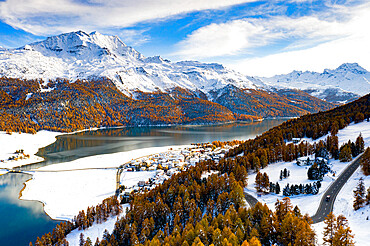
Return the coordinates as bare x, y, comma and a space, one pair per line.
23, 221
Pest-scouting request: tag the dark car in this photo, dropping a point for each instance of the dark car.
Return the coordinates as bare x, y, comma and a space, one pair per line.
327, 198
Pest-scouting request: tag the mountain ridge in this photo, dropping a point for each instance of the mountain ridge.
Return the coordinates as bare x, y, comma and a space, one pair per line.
79, 55
346, 82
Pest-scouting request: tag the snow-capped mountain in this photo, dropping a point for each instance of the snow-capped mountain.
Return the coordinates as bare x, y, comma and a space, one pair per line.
78, 55
347, 81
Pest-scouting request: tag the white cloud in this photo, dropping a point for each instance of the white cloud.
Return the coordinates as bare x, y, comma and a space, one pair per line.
243, 35
42, 17
308, 42
352, 46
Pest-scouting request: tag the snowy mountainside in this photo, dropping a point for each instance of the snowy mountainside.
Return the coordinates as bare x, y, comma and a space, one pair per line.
78, 55
344, 83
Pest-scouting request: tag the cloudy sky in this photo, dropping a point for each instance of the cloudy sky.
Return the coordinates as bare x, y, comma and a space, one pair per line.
251, 36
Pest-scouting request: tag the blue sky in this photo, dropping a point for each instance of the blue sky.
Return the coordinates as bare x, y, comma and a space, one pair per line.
251, 36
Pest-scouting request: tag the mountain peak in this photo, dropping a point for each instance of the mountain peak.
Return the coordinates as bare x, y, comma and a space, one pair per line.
351, 67
81, 45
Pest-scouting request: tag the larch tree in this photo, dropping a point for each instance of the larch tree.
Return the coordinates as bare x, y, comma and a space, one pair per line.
265, 182
368, 196
254, 242
329, 229
343, 235
259, 182
345, 153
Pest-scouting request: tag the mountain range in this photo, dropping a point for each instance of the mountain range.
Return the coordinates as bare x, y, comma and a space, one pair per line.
344, 83
65, 72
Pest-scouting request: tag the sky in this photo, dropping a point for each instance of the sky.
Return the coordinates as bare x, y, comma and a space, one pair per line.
261, 38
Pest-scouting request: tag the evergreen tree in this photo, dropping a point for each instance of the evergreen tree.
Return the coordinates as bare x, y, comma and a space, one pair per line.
359, 194
314, 173
286, 190
281, 174
277, 188
365, 162
272, 187
82, 240
368, 196
360, 144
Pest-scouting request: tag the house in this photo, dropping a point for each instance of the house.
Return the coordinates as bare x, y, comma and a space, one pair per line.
305, 161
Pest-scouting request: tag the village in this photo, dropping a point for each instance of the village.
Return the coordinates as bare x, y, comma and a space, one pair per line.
166, 164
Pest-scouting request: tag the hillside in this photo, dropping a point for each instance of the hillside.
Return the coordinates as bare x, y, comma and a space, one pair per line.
78, 55
190, 208
30, 105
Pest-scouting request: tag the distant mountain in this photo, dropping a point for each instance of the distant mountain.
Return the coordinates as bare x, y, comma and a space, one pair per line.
345, 83
78, 55
78, 80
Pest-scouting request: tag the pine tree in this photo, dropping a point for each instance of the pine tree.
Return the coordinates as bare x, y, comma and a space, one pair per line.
82, 240
360, 144
365, 162
359, 194
277, 188
286, 190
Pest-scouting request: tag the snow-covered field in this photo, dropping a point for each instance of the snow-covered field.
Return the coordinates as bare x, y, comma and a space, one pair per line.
95, 231
65, 193
309, 203
28, 142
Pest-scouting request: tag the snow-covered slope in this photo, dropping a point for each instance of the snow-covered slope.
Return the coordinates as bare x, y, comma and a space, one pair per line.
80, 55
346, 81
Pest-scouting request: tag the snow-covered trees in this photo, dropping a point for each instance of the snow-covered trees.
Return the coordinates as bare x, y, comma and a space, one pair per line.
336, 231
262, 182
294, 189
359, 194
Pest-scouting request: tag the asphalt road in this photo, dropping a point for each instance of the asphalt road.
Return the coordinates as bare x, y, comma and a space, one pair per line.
325, 207
251, 200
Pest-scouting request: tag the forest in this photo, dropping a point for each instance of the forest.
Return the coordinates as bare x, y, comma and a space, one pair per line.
190, 210
65, 106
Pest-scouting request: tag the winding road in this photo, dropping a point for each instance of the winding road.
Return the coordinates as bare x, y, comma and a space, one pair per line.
325, 207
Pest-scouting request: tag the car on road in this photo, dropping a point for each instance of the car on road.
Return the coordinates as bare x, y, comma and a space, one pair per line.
327, 198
